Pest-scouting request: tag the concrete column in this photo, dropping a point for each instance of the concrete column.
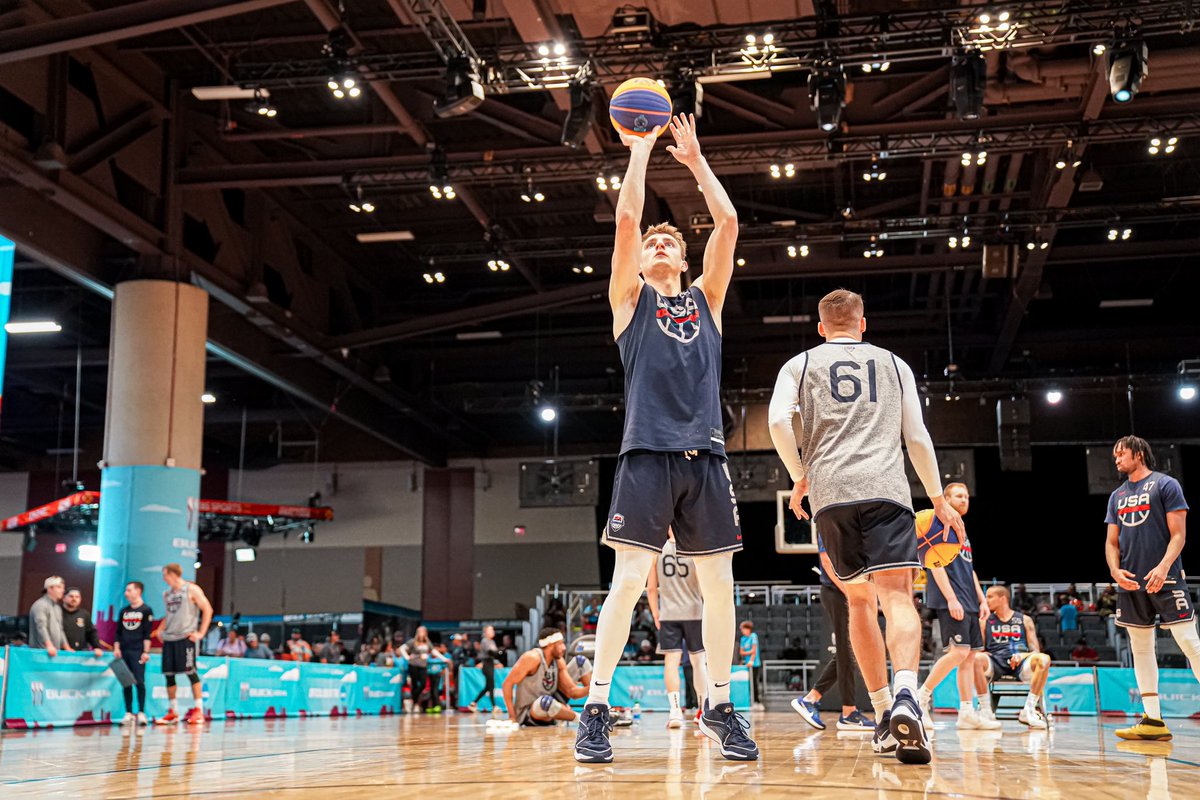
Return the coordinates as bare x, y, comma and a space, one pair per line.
153, 432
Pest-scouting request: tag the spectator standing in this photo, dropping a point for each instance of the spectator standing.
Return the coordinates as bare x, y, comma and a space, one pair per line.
77, 624
132, 646
751, 657
417, 652
256, 648
233, 645
487, 661
1068, 615
333, 651
46, 619
297, 648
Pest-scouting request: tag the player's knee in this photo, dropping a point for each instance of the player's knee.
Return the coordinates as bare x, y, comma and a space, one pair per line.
546, 708
629, 581
1040, 661
193, 678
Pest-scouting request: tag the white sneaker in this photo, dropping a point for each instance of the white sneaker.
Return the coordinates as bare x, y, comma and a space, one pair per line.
141, 718
128, 719
1032, 717
675, 720
971, 721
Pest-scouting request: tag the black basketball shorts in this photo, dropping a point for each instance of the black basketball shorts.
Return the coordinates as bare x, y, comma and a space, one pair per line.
690, 492
179, 658
868, 537
673, 635
1170, 605
963, 632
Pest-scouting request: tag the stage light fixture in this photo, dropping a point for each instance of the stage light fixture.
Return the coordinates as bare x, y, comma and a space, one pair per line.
783, 171
968, 78
873, 173
873, 250
827, 93
1164, 145
33, 326
463, 91
1187, 392
1118, 233
1099, 49
582, 269
498, 265
532, 194
548, 414
979, 158
208, 398
579, 115
1054, 397
359, 204
1127, 68
244, 554
261, 105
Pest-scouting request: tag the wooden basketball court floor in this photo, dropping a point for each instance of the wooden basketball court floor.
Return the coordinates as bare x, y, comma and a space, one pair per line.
453, 756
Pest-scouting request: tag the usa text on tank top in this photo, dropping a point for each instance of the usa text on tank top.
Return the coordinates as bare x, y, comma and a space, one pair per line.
1002, 636
671, 352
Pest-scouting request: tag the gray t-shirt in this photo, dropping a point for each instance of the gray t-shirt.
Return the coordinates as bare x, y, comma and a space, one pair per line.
487, 649
679, 595
418, 653
46, 624
542, 681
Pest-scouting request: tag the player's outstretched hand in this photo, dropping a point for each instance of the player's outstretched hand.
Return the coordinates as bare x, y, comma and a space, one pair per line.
687, 146
641, 143
796, 504
949, 517
1155, 578
1126, 580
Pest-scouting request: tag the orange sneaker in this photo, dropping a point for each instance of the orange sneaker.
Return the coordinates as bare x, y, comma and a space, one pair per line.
170, 718
194, 716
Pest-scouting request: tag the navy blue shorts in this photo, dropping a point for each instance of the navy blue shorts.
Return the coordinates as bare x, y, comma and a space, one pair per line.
675, 635
1170, 605
690, 492
963, 632
867, 537
179, 658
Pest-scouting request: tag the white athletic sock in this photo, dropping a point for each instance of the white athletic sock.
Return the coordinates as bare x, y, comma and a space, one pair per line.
1145, 668
905, 679
965, 707
984, 699
924, 695
674, 698
715, 574
1032, 700
881, 701
199, 704
616, 615
174, 705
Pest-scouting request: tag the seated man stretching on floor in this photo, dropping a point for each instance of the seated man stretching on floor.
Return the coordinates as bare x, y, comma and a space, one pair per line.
533, 681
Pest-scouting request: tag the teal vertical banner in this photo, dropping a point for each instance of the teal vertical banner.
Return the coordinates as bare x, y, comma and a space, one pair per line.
7, 254
149, 516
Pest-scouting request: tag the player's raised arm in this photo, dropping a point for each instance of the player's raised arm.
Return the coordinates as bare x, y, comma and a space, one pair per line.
624, 283
718, 253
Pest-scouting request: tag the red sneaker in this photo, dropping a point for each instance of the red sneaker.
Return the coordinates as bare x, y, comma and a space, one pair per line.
170, 718
194, 716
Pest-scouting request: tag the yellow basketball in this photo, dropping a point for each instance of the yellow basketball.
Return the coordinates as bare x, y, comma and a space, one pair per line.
936, 545
638, 105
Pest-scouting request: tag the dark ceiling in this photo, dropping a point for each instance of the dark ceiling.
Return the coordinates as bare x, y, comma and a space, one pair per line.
111, 169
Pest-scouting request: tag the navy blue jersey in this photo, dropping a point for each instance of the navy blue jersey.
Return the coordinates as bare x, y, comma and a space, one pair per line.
134, 626
1003, 639
822, 575
961, 573
1140, 511
671, 352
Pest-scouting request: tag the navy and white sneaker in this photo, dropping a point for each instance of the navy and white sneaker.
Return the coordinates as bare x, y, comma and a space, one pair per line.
728, 728
810, 712
883, 743
591, 740
909, 731
857, 721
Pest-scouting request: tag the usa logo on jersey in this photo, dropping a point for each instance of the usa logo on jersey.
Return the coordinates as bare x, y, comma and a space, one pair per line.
679, 317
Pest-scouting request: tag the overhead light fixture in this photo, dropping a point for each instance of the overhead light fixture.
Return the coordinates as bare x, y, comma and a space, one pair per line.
439, 176
582, 269
548, 414
1099, 49
741, 262
434, 277
1119, 234
1186, 392
89, 552
1162, 144
375, 237
579, 115
794, 250
532, 194
244, 554
498, 265
261, 105
344, 84
1127, 67
827, 94
1054, 397
978, 158
873, 250
1036, 245
33, 326
358, 203
1128, 302
343, 80
878, 65
874, 173
463, 91
959, 241
226, 93
782, 171
968, 79
208, 398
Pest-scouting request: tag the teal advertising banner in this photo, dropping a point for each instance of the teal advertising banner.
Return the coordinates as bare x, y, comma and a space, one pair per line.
1069, 690
7, 255
1178, 693
640, 684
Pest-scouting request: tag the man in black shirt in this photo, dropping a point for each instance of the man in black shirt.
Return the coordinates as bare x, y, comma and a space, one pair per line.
135, 622
77, 624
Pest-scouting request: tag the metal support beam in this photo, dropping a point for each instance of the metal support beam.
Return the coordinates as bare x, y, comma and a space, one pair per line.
122, 133
123, 21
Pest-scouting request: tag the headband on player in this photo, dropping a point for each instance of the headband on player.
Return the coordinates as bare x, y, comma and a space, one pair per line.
551, 639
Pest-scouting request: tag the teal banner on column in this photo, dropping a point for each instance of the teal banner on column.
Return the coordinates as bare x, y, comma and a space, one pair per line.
7, 253
149, 517
1069, 690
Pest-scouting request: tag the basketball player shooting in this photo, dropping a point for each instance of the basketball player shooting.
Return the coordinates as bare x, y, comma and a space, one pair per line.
1147, 528
672, 469
845, 404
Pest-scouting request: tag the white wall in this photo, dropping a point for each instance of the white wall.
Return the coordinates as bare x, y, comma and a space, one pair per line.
14, 495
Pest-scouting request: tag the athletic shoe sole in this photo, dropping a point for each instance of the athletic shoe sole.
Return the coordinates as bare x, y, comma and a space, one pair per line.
674, 723
911, 745
584, 758
799, 708
852, 728
732, 755
1139, 738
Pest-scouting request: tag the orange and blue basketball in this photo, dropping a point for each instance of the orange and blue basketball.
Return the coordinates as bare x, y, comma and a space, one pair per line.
638, 105
937, 546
